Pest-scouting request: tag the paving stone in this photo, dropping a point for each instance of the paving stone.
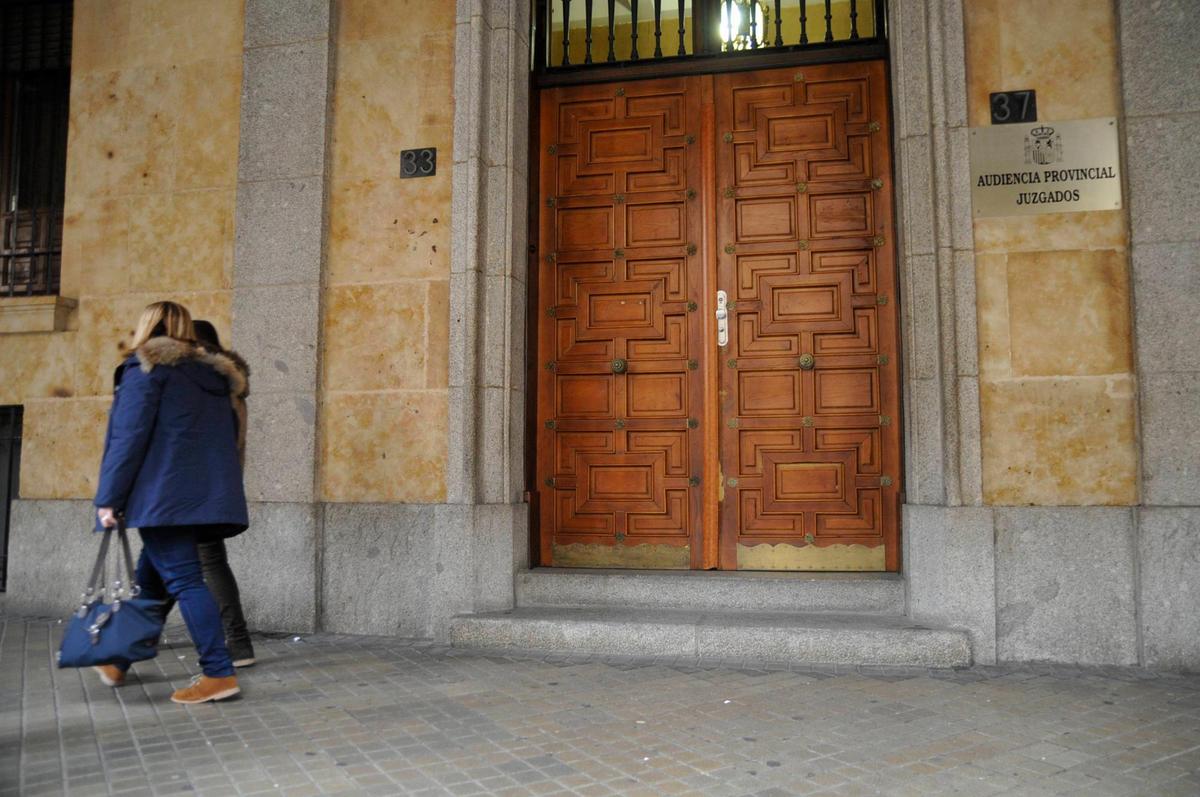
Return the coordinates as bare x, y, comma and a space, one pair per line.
337, 714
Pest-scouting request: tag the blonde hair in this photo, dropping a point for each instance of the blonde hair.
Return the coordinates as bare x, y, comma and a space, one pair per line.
163, 318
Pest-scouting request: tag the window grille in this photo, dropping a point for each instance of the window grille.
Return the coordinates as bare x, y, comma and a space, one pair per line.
10, 471
35, 56
583, 40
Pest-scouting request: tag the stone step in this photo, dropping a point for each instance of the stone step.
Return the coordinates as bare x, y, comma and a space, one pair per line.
744, 636
710, 590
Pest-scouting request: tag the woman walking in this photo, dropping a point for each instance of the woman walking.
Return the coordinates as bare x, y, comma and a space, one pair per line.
171, 468
214, 560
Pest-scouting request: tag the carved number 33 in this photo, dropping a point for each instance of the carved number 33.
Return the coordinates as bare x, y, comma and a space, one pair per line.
418, 162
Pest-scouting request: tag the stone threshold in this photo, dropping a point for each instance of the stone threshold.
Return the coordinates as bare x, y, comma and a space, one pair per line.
810, 638
712, 590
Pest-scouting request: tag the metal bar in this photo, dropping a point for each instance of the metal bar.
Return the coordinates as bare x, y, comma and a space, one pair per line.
729, 31
715, 63
804, 21
587, 13
828, 20
658, 28
853, 19
879, 23
779, 23
682, 30
566, 58
633, 53
612, 21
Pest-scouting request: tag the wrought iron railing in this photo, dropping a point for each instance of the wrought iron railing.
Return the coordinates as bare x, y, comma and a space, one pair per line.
35, 55
577, 35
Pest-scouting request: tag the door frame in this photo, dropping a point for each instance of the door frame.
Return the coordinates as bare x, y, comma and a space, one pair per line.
486, 446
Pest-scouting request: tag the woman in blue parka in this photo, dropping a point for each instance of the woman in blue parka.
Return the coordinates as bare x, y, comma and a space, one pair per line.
171, 468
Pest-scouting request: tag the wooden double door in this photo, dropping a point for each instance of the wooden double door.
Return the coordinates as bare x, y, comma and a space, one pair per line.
716, 323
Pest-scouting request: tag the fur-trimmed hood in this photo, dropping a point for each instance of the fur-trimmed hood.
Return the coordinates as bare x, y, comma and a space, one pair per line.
169, 351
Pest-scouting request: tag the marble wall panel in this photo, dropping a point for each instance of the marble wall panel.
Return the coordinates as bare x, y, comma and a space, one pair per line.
60, 452
384, 447
375, 337
387, 228
1068, 55
37, 366
1053, 303
386, 315
1069, 313
1059, 442
107, 322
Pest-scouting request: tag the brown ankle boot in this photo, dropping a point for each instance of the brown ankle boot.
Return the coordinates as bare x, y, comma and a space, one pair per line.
110, 675
203, 689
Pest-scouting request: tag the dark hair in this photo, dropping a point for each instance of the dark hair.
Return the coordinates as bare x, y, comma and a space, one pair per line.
206, 333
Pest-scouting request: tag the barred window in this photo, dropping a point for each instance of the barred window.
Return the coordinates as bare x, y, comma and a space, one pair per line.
35, 57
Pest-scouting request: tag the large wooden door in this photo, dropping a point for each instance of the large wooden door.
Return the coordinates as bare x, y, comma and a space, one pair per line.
619, 392
810, 447
657, 447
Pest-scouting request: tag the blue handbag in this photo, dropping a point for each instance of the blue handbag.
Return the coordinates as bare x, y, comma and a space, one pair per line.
121, 630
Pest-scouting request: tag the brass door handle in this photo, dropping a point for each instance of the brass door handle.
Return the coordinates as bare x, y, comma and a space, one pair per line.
807, 361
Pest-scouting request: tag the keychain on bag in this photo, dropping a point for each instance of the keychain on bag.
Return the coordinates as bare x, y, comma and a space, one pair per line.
124, 629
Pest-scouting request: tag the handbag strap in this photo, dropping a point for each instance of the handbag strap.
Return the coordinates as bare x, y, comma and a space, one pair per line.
96, 580
131, 582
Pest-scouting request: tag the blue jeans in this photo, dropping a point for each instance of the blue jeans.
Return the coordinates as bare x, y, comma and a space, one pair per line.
170, 567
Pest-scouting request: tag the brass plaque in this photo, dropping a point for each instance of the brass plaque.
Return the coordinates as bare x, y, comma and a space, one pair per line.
1045, 167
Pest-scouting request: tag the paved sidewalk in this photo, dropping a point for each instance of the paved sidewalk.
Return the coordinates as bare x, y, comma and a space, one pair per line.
358, 715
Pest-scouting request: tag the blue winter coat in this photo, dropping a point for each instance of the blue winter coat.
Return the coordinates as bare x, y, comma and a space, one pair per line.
171, 450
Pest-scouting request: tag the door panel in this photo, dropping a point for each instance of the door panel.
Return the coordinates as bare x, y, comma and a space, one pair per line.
810, 458
656, 448
619, 390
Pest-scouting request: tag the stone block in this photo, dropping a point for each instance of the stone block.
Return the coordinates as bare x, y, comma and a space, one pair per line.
280, 447
275, 562
278, 238
1169, 587
1053, 232
26, 314
387, 446
37, 366
493, 540
284, 95
62, 446
375, 336
970, 457
966, 333
1166, 280
1059, 441
270, 22
1065, 585
1164, 176
925, 478
275, 329
452, 580
1158, 44
1069, 313
911, 54
923, 316
950, 572
51, 551
916, 196
991, 299
376, 569
1170, 438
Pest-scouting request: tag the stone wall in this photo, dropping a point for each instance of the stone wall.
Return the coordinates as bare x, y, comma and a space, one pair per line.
1159, 53
151, 171
386, 318
1057, 393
